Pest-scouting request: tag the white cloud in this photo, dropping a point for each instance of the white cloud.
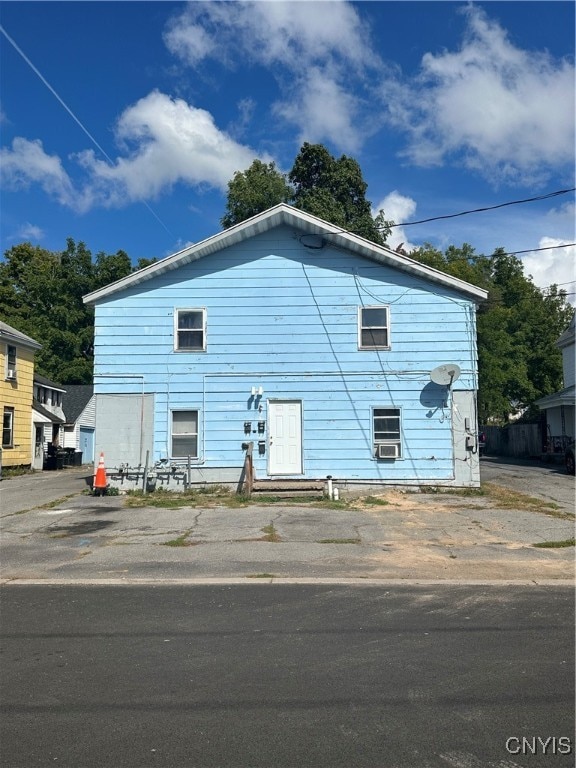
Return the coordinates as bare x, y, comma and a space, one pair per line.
397, 208
166, 141
173, 142
502, 111
30, 232
320, 53
322, 109
553, 267
26, 162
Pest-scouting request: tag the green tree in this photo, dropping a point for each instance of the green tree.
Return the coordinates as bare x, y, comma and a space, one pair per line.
41, 295
335, 190
517, 327
258, 188
332, 189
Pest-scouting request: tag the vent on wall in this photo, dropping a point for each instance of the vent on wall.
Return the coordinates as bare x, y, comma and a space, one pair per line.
387, 451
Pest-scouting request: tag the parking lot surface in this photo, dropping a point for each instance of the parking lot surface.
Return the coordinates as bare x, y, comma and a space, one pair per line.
392, 535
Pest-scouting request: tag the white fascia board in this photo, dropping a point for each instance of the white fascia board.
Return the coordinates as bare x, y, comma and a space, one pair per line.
290, 216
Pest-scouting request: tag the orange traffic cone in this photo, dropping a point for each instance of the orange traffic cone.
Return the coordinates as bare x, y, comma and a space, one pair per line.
100, 481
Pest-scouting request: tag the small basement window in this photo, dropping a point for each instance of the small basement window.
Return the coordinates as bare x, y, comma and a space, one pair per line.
386, 425
374, 327
184, 434
190, 330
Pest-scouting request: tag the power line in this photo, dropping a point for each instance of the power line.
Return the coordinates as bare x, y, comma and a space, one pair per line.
17, 48
476, 257
487, 208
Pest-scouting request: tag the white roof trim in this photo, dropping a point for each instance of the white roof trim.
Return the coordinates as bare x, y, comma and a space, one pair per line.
284, 214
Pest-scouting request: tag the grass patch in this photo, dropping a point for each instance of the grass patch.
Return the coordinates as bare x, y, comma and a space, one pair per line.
180, 541
261, 576
57, 502
466, 492
375, 500
164, 499
8, 472
270, 533
505, 498
555, 544
338, 541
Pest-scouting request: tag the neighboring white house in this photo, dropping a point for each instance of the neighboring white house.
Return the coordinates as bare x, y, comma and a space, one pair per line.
79, 410
47, 418
560, 406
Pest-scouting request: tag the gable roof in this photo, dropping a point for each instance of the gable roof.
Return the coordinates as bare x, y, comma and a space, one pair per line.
17, 337
38, 408
567, 337
44, 382
284, 214
75, 399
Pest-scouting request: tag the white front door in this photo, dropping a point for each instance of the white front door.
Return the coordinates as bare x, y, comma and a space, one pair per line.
285, 437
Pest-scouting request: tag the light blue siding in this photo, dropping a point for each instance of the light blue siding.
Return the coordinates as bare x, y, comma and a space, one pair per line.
285, 318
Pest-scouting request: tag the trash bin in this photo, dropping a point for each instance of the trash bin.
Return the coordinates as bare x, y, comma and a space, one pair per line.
60, 459
50, 462
78, 459
69, 457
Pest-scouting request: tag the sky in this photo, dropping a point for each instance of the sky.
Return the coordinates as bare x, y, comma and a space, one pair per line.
121, 123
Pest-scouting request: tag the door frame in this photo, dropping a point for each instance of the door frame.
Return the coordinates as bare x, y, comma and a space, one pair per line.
270, 403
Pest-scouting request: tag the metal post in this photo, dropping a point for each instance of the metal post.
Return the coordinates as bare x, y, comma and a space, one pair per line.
145, 485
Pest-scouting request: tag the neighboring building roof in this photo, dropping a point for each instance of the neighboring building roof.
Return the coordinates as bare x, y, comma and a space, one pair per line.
46, 413
326, 234
566, 396
17, 337
44, 382
75, 399
567, 337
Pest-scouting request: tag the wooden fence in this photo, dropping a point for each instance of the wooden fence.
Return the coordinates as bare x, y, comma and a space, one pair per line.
521, 440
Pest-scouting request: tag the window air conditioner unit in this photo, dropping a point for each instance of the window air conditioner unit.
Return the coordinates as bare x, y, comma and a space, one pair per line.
389, 451
11, 374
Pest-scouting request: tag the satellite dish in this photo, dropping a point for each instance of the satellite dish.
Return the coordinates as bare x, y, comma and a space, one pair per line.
445, 375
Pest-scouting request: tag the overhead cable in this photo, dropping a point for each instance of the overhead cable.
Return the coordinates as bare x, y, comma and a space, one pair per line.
487, 208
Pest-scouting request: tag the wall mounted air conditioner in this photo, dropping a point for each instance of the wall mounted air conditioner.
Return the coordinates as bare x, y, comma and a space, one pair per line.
388, 451
11, 375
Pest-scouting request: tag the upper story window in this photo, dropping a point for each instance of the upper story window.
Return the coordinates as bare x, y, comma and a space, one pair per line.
190, 330
374, 327
10, 371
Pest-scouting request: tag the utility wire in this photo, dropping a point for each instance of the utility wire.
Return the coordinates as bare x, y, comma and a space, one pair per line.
15, 45
487, 208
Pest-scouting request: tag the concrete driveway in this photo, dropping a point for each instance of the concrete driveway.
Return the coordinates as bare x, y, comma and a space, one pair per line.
410, 536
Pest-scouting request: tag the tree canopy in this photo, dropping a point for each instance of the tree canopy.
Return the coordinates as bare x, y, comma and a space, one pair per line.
332, 189
41, 295
518, 326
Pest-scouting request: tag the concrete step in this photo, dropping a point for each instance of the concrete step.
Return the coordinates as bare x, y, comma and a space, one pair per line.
288, 488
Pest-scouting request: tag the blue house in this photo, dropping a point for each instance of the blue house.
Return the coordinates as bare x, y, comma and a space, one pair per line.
323, 353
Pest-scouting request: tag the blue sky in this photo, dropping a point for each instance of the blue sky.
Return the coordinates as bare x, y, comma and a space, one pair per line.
122, 122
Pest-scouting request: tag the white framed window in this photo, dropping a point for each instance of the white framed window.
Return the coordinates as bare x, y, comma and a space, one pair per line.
374, 327
190, 330
184, 434
8, 428
10, 372
386, 433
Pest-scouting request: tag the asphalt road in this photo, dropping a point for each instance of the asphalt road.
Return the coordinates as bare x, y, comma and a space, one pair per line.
550, 482
255, 676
